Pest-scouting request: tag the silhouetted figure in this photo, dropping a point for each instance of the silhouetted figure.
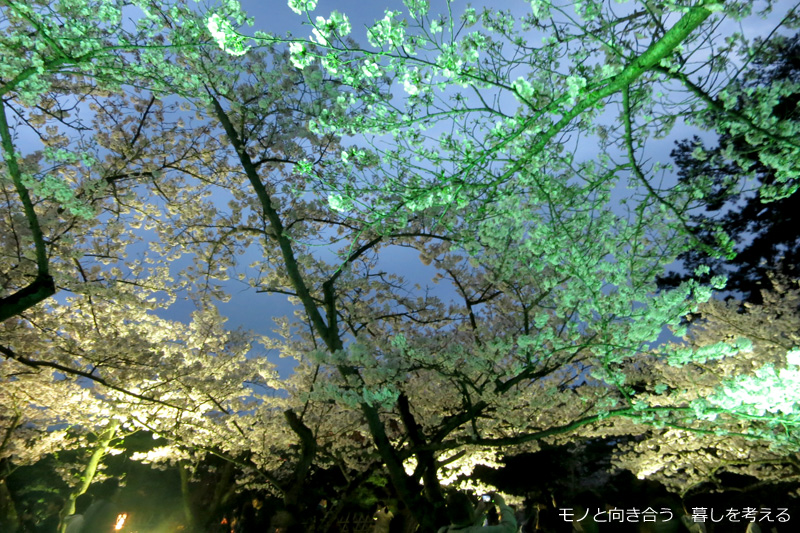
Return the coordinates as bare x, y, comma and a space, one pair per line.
403, 521
383, 519
253, 517
101, 516
466, 518
285, 522
492, 517
75, 523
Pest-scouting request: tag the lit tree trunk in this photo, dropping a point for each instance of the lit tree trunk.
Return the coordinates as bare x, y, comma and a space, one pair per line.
188, 515
102, 447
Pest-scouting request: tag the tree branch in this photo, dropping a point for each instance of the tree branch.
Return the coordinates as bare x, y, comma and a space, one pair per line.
32, 363
43, 286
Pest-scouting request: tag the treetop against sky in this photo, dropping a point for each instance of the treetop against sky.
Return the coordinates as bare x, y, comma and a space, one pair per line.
457, 134
591, 53
512, 116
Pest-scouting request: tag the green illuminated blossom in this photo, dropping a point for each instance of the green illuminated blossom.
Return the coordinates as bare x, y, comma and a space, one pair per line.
371, 69
540, 8
523, 89
709, 352
301, 6
417, 8
226, 37
387, 32
325, 29
793, 357
382, 396
340, 203
52, 187
300, 56
304, 167
412, 81
767, 391
469, 17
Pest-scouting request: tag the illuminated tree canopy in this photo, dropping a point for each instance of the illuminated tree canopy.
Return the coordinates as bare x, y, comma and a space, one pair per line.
176, 157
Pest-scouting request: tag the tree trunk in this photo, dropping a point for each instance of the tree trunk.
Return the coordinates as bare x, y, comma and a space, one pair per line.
103, 444
9, 519
407, 489
186, 496
223, 490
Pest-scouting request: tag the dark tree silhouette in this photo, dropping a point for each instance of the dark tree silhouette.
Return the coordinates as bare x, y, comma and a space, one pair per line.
766, 232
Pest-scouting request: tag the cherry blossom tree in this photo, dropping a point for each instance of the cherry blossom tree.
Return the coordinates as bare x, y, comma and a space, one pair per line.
508, 116
33, 405
747, 395
305, 169
59, 58
66, 226
66, 217
44, 415
71, 213
124, 368
557, 286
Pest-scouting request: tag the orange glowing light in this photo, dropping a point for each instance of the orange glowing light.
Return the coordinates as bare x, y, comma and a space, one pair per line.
120, 521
